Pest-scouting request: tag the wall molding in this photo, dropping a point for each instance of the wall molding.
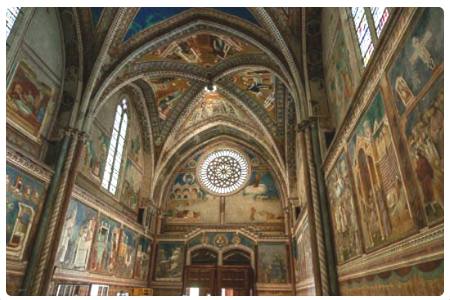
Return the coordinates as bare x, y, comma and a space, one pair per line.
427, 245
29, 165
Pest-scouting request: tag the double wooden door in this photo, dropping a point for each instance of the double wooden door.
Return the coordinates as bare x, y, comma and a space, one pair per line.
234, 280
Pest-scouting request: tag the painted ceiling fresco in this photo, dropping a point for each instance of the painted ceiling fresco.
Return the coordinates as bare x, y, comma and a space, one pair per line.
212, 105
96, 14
260, 85
149, 16
204, 49
167, 92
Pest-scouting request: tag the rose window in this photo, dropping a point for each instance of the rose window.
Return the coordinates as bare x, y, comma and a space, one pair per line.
223, 171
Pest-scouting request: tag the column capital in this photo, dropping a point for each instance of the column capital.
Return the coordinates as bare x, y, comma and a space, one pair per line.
307, 123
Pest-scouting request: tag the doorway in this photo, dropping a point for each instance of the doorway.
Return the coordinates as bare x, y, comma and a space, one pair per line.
206, 277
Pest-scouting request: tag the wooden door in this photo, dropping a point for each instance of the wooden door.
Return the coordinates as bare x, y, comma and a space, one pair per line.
235, 280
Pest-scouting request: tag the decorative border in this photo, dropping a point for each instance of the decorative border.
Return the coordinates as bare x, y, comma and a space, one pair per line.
29, 165
404, 253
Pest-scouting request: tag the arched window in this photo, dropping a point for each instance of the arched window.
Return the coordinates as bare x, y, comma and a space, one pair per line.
369, 23
116, 145
11, 16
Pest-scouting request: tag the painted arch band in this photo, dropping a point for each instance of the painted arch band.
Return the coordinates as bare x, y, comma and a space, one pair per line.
223, 171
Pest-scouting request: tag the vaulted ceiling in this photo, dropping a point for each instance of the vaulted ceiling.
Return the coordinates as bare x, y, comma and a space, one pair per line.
171, 56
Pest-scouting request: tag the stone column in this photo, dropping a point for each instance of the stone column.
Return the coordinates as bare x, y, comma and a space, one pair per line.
321, 194
63, 201
312, 208
39, 260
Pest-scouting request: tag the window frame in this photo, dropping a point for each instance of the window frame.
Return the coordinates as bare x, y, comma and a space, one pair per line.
17, 18
112, 171
375, 38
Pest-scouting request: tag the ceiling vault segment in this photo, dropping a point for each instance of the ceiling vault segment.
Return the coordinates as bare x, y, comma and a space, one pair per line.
183, 31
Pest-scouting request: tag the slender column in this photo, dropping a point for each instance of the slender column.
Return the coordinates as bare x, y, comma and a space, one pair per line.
316, 209
324, 211
49, 242
64, 200
309, 207
33, 275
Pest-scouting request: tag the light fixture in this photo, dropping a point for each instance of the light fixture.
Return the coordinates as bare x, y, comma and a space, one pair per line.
210, 88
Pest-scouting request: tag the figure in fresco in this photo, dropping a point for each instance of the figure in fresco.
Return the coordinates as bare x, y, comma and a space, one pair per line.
28, 99
403, 90
272, 264
220, 47
67, 234
21, 227
142, 259
425, 135
84, 244
170, 262
421, 52
381, 196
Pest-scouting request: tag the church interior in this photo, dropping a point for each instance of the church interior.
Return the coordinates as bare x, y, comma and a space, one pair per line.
234, 151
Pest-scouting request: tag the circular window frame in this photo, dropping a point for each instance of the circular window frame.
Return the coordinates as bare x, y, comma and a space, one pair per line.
205, 156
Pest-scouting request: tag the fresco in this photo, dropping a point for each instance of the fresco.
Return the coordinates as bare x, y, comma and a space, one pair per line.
425, 279
304, 263
95, 153
204, 49
259, 201
378, 183
28, 100
77, 236
143, 255
212, 105
150, 16
135, 146
130, 194
167, 91
420, 57
189, 203
169, 261
96, 13
24, 197
424, 131
272, 263
104, 251
340, 78
221, 239
126, 255
343, 213
259, 84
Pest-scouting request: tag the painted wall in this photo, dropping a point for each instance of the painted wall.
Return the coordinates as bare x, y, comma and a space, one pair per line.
129, 188
273, 263
169, 261
25, 196
340, 59
34, 78
258, 202
34, 71
98, 245
386, 182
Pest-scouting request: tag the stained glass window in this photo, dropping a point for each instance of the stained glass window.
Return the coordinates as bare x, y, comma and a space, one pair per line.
223, 171
380, 16
364, 24
363, 33
11, 16
116, 145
